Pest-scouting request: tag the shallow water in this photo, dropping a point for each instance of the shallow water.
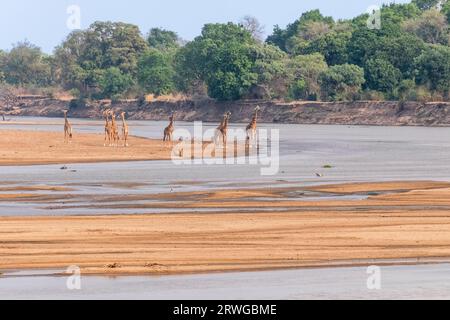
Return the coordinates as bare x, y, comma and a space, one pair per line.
397, 282
356, 154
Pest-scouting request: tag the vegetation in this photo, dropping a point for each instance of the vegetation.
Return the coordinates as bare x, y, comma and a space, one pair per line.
313, 58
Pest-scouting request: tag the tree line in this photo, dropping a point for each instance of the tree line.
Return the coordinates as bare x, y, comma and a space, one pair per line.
313, 58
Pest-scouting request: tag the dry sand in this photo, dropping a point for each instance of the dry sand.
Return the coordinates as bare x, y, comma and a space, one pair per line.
40, 147
411, 220
28, 147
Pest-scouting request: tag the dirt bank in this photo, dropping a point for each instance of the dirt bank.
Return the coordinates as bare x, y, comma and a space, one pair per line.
350, 113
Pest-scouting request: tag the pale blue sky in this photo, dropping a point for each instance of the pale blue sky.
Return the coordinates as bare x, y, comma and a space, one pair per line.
43, 22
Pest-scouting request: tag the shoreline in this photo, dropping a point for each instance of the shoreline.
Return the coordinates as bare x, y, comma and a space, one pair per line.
39, 272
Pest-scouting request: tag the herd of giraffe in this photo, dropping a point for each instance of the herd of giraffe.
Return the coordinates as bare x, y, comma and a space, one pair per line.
112, 136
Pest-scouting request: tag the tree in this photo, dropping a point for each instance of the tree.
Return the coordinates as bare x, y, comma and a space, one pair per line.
2, 65
7, 98
341, 82
161, 39
271, 69
156, 72
223, 58
399, 50
433, 68
446, 10
431, 27
426, 4
333, 46
305, 72
26, 65
381, 75
85, 55
252, 25
114, 83
303, 26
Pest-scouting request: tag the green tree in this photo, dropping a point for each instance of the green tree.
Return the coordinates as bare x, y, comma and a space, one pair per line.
399, 50
114, 83
305, 72
271, 69
84, 55
381, 75
333, 46
26, 65
426, 4
342, 82
156, 72
446, 10
310, 24
161, 39
433, 68
223, 58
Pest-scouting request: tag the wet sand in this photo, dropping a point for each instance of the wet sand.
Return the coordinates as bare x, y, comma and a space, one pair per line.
405, 220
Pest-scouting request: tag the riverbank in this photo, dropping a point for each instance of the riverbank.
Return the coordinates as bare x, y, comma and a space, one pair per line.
389, 113
396, 221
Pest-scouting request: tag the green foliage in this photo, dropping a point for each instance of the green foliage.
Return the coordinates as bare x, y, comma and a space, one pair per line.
156, 72
305, 72
433, 68
446, 10
333, 46
406, 90
271, 69
113, 82
161, 39
342, 82
381, 75
303, 26
85, 55
26, 65
223, 58
426, 4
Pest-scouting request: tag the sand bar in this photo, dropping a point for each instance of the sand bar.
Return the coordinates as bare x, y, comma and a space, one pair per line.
413, 223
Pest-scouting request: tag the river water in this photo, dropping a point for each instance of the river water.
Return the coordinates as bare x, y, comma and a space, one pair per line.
355, 153
395, 282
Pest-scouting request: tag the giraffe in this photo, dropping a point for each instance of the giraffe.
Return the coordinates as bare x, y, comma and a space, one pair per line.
68, 134
222, 130
115, 130
251, 128
108, 128
124, 130
168, 132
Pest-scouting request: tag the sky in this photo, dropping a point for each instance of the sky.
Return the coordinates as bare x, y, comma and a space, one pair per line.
44, 22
